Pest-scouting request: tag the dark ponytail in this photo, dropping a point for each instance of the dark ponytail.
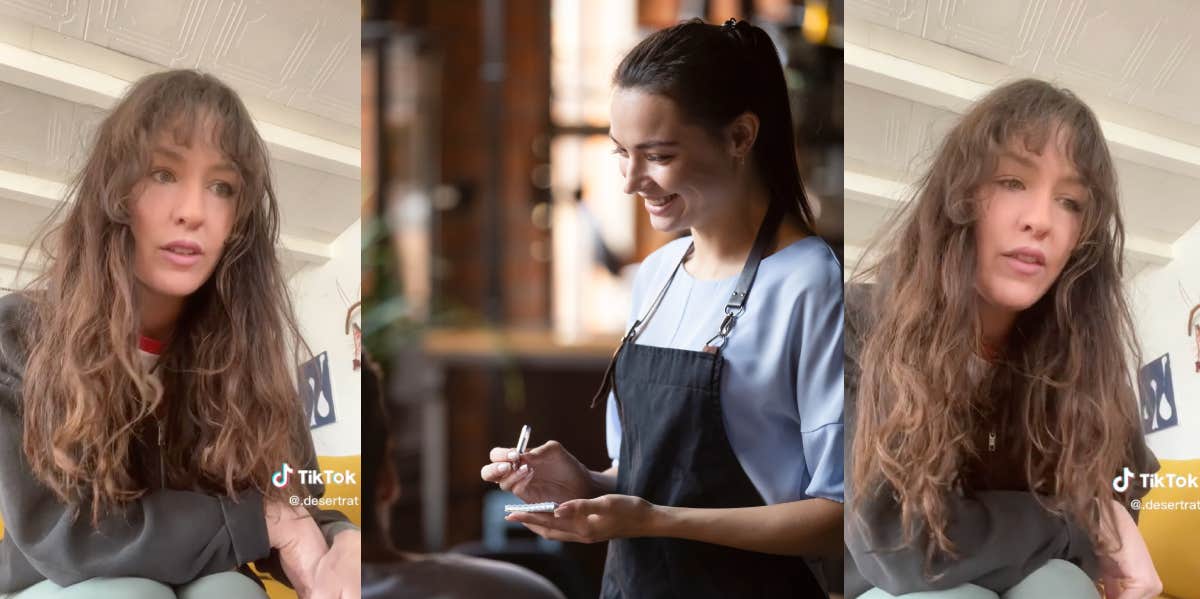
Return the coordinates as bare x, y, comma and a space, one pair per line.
715, 73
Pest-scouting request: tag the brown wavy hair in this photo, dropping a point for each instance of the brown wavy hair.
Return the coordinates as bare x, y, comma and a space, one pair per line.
229, 405
1064, 374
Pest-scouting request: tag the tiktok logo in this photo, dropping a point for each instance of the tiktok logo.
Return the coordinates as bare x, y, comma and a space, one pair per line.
280, 479
1121, 483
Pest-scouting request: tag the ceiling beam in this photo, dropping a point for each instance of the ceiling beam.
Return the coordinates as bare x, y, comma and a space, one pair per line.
11, 256
305, 250
47, 195
35, 191
851, 255
82, 85
899, 76
890, 195
296, 253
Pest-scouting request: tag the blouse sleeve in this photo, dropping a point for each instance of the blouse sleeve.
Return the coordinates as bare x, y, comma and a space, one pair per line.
820, 389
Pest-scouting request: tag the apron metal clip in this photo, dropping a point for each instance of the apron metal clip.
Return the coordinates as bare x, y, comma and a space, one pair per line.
718, 341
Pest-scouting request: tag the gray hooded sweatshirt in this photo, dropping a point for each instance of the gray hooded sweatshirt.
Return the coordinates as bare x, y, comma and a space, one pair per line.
171, 536
1001, 534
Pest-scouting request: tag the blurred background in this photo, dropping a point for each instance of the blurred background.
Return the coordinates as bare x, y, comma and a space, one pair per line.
499, 249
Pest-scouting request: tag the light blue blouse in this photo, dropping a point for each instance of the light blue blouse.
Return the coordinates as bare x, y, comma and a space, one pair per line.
782, 387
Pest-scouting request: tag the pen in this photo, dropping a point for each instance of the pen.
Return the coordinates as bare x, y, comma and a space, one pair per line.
522, 443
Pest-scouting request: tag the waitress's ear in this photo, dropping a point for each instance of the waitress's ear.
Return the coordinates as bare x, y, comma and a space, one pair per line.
740, 135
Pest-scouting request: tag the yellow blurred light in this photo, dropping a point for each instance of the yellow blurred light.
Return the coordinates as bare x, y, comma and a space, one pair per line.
816, 22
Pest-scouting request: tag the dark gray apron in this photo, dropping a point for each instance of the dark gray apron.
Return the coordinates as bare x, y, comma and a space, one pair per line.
674, 452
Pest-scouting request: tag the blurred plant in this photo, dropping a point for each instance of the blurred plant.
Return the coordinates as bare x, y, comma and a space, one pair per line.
386, 321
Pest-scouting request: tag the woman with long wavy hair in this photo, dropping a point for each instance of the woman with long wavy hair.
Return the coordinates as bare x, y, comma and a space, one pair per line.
147, 387
988, 370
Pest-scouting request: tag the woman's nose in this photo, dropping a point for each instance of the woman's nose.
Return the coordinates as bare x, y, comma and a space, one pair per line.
633, 175
1036, 216
188, 209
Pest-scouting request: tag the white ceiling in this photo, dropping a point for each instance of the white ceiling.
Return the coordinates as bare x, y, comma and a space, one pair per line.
64, 63
912, 66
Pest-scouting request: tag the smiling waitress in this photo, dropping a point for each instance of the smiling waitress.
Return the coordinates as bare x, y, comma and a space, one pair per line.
725, 397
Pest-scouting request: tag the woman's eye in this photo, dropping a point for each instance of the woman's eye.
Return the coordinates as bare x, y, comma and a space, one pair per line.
1012, 184
1071, 204
657, 158
162, 176
619, 151
223, 189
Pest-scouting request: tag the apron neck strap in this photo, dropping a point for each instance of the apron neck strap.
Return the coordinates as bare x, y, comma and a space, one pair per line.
636, 329
762, 241
733, 308
737, 300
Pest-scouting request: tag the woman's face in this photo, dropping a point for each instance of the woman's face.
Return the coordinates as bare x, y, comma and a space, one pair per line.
182, 213
684, 176
1030, 222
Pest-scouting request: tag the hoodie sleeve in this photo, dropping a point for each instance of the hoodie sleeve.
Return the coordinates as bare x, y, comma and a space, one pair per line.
166, 535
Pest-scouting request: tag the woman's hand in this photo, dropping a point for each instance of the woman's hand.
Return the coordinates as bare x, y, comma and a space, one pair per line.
546, 473
592, 520
1128, 573
339, 573
301, 545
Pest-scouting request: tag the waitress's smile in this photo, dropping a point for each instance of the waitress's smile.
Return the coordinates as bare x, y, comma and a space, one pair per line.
684, 178
660, 207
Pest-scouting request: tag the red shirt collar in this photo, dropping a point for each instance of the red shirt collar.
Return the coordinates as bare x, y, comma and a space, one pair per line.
150, 346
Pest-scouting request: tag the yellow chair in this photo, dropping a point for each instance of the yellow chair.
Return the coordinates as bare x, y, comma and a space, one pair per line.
275, 589
1171, 534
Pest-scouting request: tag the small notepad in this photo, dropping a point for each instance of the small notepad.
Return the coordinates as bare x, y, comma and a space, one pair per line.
545, 506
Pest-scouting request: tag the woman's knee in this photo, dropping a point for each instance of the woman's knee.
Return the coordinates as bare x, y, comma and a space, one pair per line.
116, 588
1057, 578
966, 591
223, 585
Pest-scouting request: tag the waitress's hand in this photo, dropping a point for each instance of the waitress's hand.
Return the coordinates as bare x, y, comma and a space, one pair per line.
1128, 573
591, 520
546, 473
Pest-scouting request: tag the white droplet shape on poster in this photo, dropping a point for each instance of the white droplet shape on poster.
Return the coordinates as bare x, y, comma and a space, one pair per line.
324, 401
1165, 408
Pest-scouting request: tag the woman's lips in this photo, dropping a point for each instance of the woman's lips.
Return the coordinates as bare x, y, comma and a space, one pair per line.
659, 206
179, 259
1027, 264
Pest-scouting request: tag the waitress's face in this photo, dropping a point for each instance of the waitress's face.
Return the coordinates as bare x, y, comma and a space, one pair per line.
684, 176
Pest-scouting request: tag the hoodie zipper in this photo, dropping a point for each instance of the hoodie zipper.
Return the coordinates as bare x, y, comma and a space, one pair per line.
162, 467
992, 441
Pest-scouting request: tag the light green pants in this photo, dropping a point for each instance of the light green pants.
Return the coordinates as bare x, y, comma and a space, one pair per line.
1059, 579
225, 585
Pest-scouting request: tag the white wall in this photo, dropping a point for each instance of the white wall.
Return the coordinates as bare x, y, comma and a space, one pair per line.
1160, 314
321, 310
8, 279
